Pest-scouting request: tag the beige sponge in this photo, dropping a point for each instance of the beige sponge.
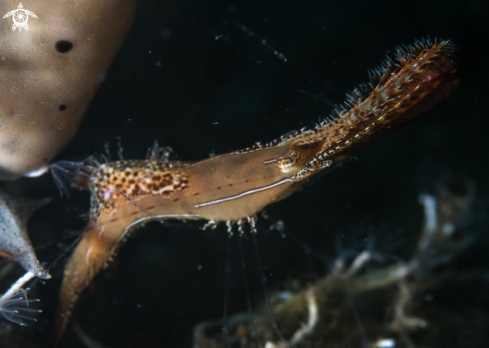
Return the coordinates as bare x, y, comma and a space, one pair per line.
50, 67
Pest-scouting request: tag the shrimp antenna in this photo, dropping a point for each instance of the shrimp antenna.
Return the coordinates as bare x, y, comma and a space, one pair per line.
280, 56
247, 291
263, 280
227, 279
351, 302
220, 37
290, 238
63, 254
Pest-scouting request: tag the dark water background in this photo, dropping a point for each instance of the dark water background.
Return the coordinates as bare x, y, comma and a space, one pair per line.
174, 82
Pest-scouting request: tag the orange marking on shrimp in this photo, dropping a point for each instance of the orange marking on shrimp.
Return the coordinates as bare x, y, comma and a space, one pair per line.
423, 79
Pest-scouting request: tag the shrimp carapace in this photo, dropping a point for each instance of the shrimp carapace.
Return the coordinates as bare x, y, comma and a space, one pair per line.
238, 185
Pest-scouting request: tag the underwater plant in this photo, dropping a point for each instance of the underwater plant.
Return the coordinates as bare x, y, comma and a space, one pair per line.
403, 303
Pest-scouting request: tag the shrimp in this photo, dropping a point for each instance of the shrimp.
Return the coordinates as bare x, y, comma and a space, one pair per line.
235, 186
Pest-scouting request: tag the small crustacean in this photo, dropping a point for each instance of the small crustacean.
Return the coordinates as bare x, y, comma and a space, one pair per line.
234, 187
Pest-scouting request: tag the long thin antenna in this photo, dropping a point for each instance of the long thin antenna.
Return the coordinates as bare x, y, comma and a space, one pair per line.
64, 252
247, 291
227, 275
57, 260
291, 239
351, 302
263, 280
136, 205
279, 55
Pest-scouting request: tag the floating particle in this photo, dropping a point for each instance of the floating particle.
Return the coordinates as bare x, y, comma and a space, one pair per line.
165, 33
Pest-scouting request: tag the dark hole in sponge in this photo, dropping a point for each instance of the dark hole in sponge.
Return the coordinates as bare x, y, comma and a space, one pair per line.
63, 46
62, 107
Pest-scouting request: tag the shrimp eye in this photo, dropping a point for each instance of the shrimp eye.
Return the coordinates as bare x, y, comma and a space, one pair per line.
286, 164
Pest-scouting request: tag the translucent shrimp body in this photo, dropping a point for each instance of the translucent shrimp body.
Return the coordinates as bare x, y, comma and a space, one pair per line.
237, 185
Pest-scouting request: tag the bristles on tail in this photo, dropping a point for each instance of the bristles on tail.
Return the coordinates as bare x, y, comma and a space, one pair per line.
388, 67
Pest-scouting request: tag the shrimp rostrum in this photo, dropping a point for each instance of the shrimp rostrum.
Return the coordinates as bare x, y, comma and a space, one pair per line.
236, 186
